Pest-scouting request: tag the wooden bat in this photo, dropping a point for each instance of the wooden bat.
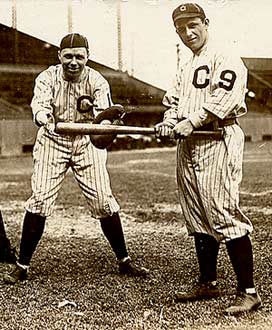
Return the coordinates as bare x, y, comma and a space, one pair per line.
99, 129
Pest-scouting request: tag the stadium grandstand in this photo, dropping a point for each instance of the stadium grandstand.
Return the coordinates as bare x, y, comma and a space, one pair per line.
23, 56
27, 56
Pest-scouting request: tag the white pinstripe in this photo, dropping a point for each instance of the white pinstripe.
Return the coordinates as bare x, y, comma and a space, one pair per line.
209, 174
209, 171
184, 99
53, 155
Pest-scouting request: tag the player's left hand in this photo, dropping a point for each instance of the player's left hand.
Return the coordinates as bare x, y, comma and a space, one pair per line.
163, 130
42, 118
110, 116
183, 129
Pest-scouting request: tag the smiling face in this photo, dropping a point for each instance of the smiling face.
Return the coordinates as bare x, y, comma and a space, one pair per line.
193, 32
73, 61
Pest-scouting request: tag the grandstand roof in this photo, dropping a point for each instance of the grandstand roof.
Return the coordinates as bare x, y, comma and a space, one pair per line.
258, 64
29, 51
23, 56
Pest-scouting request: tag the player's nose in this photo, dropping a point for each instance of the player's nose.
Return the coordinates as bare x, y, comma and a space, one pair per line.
74, 61
188, 32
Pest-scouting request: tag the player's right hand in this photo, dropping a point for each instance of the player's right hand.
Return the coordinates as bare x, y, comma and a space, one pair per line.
42, 118
163, 130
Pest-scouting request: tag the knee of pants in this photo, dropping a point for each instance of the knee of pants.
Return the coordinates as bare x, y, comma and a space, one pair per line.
39, 207
103, 210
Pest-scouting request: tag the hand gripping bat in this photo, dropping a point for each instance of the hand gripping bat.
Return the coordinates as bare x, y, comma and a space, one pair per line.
93, 129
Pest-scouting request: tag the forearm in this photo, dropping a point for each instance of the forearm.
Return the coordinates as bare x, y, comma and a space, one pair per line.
201, 118
170, 117
42, 99
37, 111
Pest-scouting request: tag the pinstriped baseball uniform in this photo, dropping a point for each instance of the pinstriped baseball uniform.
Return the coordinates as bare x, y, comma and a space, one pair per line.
209, 170
53, 155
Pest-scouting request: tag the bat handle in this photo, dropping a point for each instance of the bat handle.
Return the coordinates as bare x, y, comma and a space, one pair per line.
217, 133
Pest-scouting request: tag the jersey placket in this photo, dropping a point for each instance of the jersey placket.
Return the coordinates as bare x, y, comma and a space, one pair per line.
70, 99
69, 102
187, 78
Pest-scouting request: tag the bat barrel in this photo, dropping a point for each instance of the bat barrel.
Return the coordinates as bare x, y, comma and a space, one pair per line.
84, 128
98, 129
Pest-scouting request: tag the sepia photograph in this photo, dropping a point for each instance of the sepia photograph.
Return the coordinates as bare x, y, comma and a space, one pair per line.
135, 165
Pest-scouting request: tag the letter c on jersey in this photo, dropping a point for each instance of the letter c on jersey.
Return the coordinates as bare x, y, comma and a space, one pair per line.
228, 78
198, 84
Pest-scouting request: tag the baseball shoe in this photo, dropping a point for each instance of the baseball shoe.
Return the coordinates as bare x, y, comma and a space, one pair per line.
202, 291
244, 302
18, 274
8, 255
127, 267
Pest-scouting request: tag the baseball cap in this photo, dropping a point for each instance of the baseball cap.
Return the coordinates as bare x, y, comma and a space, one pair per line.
74, 40
187, 10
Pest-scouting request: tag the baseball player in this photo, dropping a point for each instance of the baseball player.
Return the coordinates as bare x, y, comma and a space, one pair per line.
7, 254
209, 93
56, 94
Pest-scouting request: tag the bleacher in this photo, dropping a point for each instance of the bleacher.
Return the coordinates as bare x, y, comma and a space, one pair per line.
16, 87
23, 57
260, 81
27, 56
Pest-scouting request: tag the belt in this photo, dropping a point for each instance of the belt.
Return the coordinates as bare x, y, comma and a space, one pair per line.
221, 123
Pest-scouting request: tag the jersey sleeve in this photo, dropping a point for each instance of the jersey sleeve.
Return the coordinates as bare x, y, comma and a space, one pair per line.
200, 118
42, 94
171, 101
228, 87
101, 92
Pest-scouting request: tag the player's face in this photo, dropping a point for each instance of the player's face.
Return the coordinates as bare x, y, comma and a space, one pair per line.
193, 32
73, 61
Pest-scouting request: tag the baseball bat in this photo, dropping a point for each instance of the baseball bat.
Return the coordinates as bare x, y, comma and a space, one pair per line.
98, 129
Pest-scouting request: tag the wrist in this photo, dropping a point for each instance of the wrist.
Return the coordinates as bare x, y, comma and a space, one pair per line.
170, 122
195, 120
41, 117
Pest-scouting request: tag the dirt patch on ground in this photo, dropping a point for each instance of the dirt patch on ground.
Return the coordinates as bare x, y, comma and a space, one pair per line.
74, 262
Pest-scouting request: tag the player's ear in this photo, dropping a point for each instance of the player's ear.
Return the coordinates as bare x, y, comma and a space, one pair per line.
88, 54
59, 55
207, 22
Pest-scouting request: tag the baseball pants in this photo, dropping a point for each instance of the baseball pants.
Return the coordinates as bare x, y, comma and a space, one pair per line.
53, 156
209, 173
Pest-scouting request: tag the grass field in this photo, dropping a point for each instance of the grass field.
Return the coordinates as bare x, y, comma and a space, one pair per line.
73, 280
